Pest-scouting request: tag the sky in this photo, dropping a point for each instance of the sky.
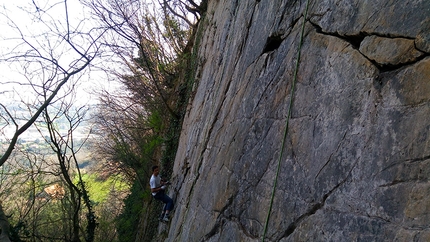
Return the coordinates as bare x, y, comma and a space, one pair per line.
42, 38
21, 18
24, 14
15, 75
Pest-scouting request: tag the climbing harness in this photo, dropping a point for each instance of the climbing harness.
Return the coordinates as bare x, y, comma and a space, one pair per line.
287, 121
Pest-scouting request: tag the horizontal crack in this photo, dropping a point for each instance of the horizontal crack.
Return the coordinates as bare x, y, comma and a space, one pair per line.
397, 182
389, 67
400, 162
355, 41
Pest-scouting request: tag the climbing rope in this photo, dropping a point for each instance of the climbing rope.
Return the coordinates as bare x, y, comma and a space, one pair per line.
287, 121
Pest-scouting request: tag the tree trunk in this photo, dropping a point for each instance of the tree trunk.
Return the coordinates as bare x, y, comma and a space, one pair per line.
4, 226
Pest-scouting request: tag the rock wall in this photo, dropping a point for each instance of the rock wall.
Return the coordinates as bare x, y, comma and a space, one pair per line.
356, 159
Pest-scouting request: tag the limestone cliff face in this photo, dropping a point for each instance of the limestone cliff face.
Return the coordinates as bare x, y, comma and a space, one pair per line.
356, 159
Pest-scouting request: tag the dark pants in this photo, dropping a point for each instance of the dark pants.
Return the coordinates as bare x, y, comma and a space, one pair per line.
161, 196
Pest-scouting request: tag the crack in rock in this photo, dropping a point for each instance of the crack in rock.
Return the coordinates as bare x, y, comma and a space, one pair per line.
293, 225
386, 53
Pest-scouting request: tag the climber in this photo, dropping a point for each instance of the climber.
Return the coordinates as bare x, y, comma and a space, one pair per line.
158, 187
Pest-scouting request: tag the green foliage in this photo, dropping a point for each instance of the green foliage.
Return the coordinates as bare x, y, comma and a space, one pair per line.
186, 66
175, 32
100, 189
161, 86
15, 230
47, 218
155, 121
127, 222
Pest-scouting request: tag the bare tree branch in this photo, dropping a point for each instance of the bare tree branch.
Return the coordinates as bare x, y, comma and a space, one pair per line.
34, 55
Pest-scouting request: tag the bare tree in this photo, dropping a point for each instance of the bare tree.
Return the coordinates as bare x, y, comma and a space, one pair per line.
48, 61
146, 40
127, 139
181, 9
4, 236
51, 51
45, 190
65, 148
26, 187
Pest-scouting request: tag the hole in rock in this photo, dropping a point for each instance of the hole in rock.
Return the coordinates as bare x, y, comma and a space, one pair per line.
354, 40
272, 43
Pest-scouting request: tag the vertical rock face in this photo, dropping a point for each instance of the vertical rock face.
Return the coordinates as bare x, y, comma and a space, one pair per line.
355, 163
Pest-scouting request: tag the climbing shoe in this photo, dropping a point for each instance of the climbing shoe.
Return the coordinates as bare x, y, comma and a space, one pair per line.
161, 217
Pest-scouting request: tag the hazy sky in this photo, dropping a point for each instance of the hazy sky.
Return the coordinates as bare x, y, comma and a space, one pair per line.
19, 18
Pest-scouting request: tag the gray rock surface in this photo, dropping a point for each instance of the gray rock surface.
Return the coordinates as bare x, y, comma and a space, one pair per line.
389, 51
356, 159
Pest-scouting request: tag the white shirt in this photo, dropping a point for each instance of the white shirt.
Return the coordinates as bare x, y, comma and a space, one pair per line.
155, 182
